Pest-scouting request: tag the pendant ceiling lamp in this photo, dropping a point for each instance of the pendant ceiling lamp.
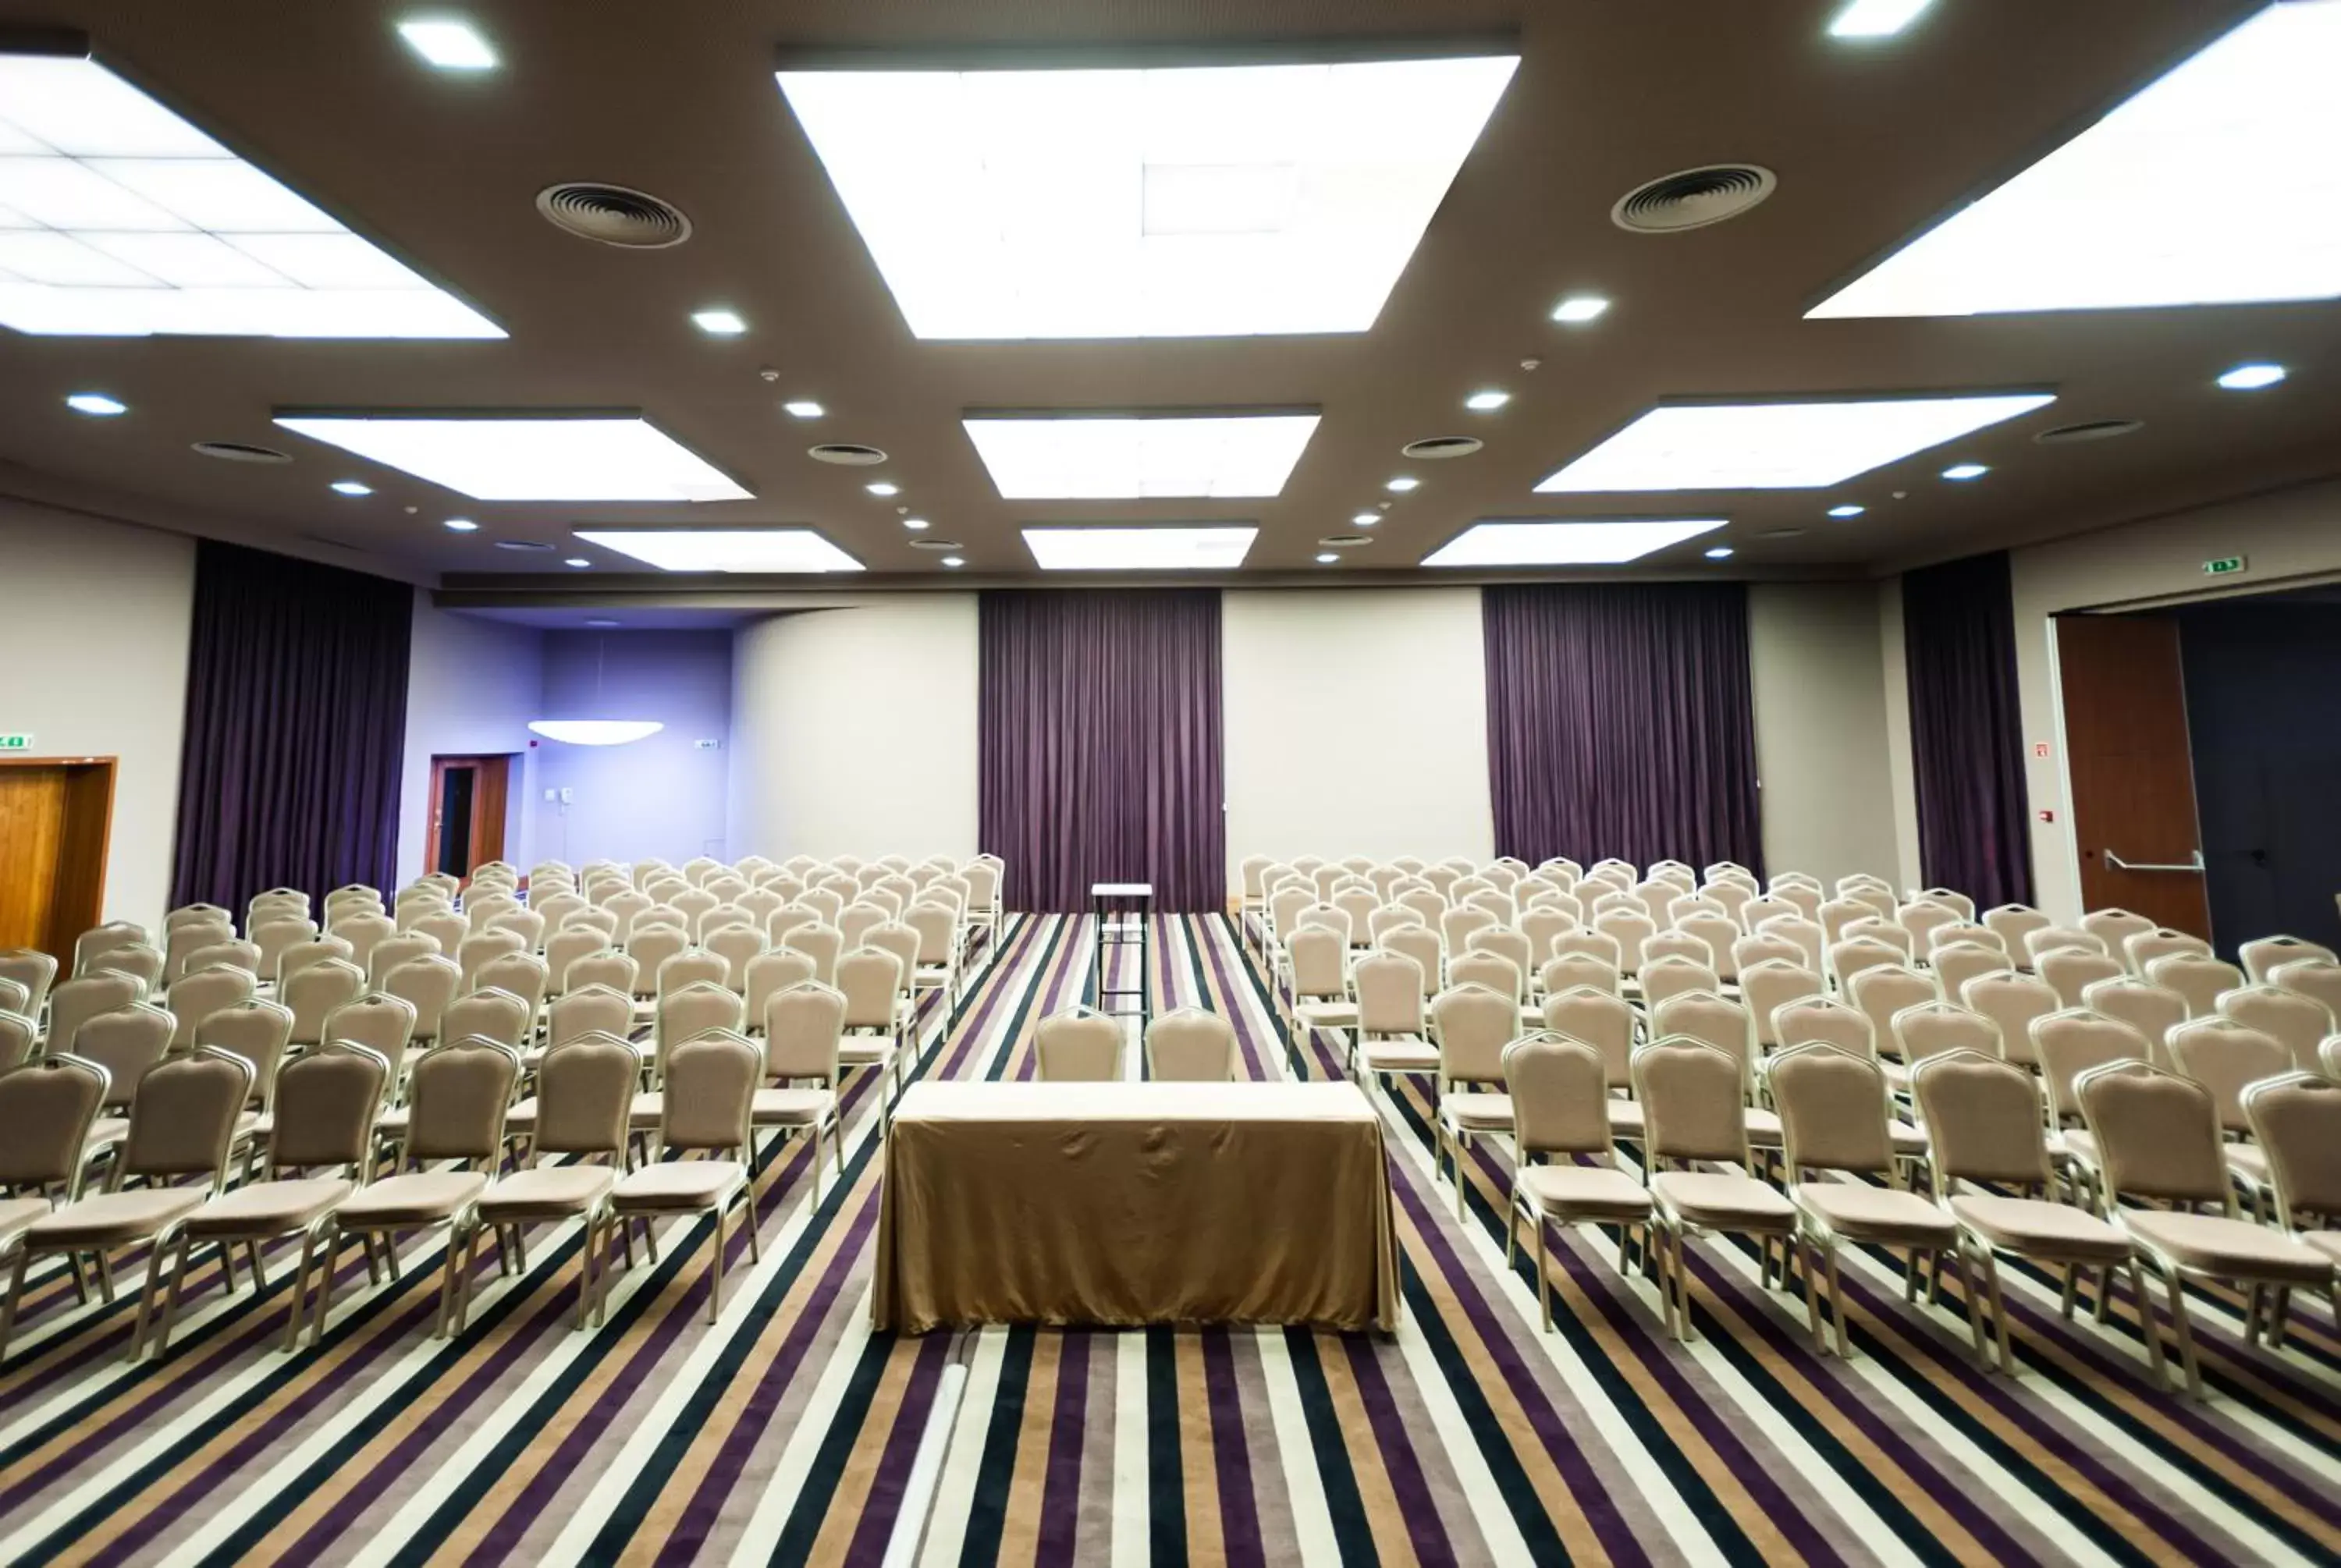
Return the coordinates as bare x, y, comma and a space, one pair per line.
595, 731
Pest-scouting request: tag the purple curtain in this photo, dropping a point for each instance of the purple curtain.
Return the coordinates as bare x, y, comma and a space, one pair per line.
1966, 731
1620, 722
1100, 725
296, 727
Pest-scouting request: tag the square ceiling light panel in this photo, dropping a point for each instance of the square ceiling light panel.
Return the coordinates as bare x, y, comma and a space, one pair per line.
776, 550
1777, 446
2217, 184
1050, 457
1167, 202
528, 456
1566, 543
119, 219
1142, 549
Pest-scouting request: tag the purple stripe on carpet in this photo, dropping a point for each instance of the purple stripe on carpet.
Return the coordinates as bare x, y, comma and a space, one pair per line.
882, 1508
1231, 1456
1061, 1481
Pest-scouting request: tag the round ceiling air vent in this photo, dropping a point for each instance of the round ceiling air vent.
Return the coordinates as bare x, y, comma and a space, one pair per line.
241, 451
613, 215
943, 545
2089, 430
1344, 540
1439, 446
521, 544
846, 454
1693, 198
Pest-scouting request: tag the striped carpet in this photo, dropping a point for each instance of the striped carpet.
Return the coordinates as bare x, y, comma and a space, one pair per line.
788, 1433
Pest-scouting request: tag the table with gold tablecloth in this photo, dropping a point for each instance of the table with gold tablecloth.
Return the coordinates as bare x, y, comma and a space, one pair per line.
1132, 1203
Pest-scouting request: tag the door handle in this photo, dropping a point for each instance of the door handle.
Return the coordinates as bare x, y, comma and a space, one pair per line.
2193, 862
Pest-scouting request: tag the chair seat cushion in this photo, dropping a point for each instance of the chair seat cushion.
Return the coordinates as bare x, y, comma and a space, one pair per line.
18, 1213
2248, 1161
864, 1051
1908, 1139
677, 1187
791, 1107
2215, 1244
546, 1191
105, 1131
273, 1206
2031, 1225
1885, 1214
521, 1120
1724, 1201
1624, 1119
643, 1115
113, 1218
392, 1122
1763, 1128
1327, 1015
1570, 1191
2074, 1146
1476, 1111
2327, 1242
1404, 1055
416, 1197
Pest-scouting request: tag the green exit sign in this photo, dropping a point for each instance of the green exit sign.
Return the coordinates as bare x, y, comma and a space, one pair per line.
16, 742
2225, 566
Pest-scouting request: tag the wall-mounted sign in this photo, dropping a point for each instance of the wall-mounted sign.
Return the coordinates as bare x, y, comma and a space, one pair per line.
20, 742
2225, 566
2040, 748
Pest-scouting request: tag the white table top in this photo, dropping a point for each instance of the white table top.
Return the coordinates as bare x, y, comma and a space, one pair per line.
1121, 889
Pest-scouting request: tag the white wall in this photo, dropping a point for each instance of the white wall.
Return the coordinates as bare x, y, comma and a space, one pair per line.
93, 624
473, 686
1306, 675
1910, 872
854, 730
1813, 654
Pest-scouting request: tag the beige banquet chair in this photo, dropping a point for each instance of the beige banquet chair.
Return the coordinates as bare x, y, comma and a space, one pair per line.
2151, 1010
2297, 1118
1691, 1099
1933, 1030
128, 1043
521, 975
1955, 966
1771, 985
1080, 1045
315, 950
769, 974
2299, 1023
709, 1107
2310, 978
47, 1105
199, 995
1189, 1045
2042, 940
2071, 971
609, 969
18, 1036
2227, 1057
2115, 926
1392, 1020
381, 1023
2014, 923
2141, 948
2066, 1045
429, 985
1473, 1025
393, 951
2262, 958
134, 959
2199, 977
182, 941
1570, 970
823, 943
85, 997
1608, 1023
313, 993
1883, 992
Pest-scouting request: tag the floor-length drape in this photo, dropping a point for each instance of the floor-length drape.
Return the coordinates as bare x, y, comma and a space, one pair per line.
1966, 730
1099, 726
296, 723
1620, 722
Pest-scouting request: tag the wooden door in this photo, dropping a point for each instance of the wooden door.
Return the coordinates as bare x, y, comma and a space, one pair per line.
2126, 746
55, 822
475, 790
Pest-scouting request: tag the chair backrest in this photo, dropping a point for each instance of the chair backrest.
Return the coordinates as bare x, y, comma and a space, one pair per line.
1806, 936
2151, 1010
1505, 942
490, 1015
1711, 1019
1771, 985
362, 929
1491, 970
1188, 1045
2299, 1022
393, 951
1388, 986
588, 1010
127, 1042
18, 1035
258, 1031
1673, 977
651, 947
901, 940
871, 978
317, 991
1825, 1020
2199, 977
2310, 978
936, 926
2227, 1058
693, 967
1473, 1024
2261, 959
2296, 1117
2041, 940
526, 924
1359, 904
585, 1091
2115, 926
523, 975
102, 939
1389, 918
183, 1119
429, 983
859, 919
85, 997
1078, 1046
1832, 1108
1458, 925
695, 1009
1983, 1120
1629, 931
203, 992
1427, 902
1604, 1021
1570, 970
2014, 923
2071, 1043
380, 1021
1763, 948
457, 1094
1319, 960
46, 1106
1882, 992
1836, 914
802, 1025
1719, 934
2140, 948
1936, 1028
770, 973
1922, 917
1955, 966
326, 1101
1964, 934
609, 968
446, 928
1693, 1102
1422, 944
2073, 970
184, 941
822, 944
2157, 1134
1671, 943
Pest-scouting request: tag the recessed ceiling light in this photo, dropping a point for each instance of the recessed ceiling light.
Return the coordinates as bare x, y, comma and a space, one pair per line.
804, 408
1578, 309
448, 44
1144, 549
1487, 402
600, 620
2252, 378
98, 404
120, 219
1367, 519
1197, 201
915, 524
1777, 446
882, 487
1720, 552
1327, 558
1848, 511
955, 561
757, 549
1128, 456
1876, 18
528, 456
462, 525
719, 324
577, 560
1965, 470
1565, 543
351, 487
2194, 192
1402, 484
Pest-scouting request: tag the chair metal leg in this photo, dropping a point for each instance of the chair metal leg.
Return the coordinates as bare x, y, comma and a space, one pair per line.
300, 1291
171, 1297
2065, 1305
1837, 1306
1544, 1276
150, 1283
2147, 1325
1512, 1229
1967, 1294
16, 1290
334, 1239
715, 1271
1812, 1295
2176, 1292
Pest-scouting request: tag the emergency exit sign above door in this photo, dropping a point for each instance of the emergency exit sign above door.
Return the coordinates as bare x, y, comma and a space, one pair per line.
18, 743
2225, 566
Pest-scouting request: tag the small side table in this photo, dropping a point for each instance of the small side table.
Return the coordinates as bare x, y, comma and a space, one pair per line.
1122, 911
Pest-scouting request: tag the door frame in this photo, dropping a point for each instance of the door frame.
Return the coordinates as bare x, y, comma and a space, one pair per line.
83, 847
491, 803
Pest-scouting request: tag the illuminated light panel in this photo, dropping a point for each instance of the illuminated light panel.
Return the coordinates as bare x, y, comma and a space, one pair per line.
1848, 510
1566, 543
804, 408
96, 405
719, 324
2252, 378
1877, 18
1130, 458
1142, 549
1961, 472
595, 731
1578, 309
1487, 402
2214, 185
448, 44
753, 550
351, 487
1193, 202
528, 456
120, 219
1777, 446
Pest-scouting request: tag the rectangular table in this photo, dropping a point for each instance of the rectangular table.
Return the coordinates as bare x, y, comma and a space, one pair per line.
1119, 1204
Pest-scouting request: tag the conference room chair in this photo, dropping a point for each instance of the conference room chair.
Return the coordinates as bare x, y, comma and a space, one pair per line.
2299, 1023
733, 946
2113, 927
1921, 919
1757, 912
19, 1036
1472, 1025
1956, 965
1936, 1028
447, 927
481, 911
1882, 991
360, 933
182, 941
315, 992
526, 924
609, 967
458, 1092
1568, 971
1671, 976
1951, 898
2141, 948
134, 959
2198, 978
1718, 935
803, 1029
787, 918
1761, 947
199, 995
626, 904
1962, 934
770, 973
1827, 1020
1836, 914
1882, 902
2297, 1118
1629, 931
494, 1016
860, 918
1495, 973
684, 1012
2227, 1058
428, 985
260, 1034
1507, 943
1665, 943
1608, 1023
1252, 896
1389, 918
392, 952
872, 981
101, 940
1728, 1025
822, 944
383, 1024
521, 975
198, 913
1078, 1046
2261, 959
1386, 878
903, 942
276, 898
2015, 924
1809, 901
1422, 944
580, 1011
85, 997
275, 937
2070, 971
1389, 988
1690, 1100
1589, 943
2157, 1136
1771, 985
1427, 902
651, 948
2313, 978
564, 947
1501, 906
1191, 1046
128, 1042
1805, 935
694, 904
556, 907
2012, 1001
1733, 898
413, 909
2066, 1045
1846, 960
2153, 1011
47, 1105
1360, 904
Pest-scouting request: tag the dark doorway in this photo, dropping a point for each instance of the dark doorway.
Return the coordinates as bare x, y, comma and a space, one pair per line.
56, 820
467, 812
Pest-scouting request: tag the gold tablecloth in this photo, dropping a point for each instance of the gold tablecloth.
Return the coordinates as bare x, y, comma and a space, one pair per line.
1132, 1203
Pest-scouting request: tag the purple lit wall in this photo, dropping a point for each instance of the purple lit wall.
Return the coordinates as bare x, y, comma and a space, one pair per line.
665, 796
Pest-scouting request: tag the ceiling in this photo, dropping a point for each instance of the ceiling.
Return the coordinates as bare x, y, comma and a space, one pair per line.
1872, 144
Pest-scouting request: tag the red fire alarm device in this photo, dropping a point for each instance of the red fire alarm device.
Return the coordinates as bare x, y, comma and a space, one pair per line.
2040, 748
2047, 816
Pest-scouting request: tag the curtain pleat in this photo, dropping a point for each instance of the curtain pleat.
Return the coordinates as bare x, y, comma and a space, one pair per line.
1621, 722
295, 728
1099, 745
1967, 729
